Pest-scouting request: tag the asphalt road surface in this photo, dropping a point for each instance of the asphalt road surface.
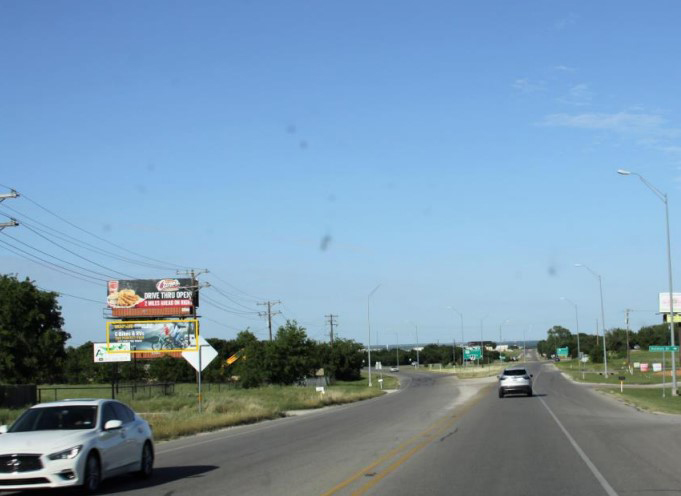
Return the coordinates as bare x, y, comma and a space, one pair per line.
438, 435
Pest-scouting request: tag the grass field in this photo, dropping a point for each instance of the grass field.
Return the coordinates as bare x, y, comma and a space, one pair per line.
177, 415
472, 372
593, 372
647, 399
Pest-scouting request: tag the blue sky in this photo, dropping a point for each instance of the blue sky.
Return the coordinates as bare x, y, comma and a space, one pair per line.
458, 154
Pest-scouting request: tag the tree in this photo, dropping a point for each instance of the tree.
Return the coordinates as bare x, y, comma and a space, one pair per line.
289, 357
250, 367
343, 360
32, 341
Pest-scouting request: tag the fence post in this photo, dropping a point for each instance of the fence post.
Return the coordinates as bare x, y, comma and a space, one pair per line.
55, 394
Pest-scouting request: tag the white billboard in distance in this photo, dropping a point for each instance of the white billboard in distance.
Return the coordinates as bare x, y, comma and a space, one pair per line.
664, 302
102, 355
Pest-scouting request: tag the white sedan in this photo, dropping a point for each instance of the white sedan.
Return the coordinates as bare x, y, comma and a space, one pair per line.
74, 443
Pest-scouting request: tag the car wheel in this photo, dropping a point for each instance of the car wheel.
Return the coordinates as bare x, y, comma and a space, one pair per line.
501, 393
93, 474
147, 461
529, 393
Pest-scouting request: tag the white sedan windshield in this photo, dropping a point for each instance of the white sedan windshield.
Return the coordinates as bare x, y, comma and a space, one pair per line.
56, 418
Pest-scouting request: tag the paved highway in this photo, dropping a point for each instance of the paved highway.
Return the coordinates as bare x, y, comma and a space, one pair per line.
438, 435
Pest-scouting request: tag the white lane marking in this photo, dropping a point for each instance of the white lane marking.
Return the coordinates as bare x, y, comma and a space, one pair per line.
604, 483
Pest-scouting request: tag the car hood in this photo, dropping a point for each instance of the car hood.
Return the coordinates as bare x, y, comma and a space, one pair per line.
41, 441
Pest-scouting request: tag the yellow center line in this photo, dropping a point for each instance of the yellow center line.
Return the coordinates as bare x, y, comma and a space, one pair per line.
391, 468
430, 434
382, 459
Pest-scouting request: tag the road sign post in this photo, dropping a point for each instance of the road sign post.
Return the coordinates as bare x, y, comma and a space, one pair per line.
664, 349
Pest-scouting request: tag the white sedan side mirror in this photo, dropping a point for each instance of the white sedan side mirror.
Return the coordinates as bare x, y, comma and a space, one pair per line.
113, 425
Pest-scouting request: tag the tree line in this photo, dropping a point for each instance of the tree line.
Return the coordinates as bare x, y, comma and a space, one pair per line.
33, 350
615, 341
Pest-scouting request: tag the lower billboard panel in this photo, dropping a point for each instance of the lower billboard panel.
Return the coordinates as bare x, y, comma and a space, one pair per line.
160, 336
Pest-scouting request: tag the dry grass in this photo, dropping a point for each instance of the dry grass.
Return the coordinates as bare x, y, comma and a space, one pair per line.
178, 414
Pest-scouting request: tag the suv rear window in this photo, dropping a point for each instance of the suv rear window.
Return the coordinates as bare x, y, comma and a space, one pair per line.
515, 372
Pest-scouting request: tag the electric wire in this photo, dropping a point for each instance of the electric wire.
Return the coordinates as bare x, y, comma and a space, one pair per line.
75, 241
108, 242
221, 292
59, 268
255, 298
219, 306
59, 293
57, 258
79, 256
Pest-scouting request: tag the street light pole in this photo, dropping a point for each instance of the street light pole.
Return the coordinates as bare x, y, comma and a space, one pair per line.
462, 339
482, 342
600, 288
418, 363
369, 327
665, 200
579, 353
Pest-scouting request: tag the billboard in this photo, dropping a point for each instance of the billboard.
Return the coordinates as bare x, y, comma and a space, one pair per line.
160, 336
664, 302
103, 353
168, 297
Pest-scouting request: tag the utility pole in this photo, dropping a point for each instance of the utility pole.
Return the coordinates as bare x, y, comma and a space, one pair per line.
331, 324
12, 222
269, 313
193, 274
626, 321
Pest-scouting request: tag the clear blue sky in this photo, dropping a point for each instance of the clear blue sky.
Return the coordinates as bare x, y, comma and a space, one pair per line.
457, 153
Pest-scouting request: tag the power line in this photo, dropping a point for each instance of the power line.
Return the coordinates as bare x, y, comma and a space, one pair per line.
60, 259
225, 295
78, 242
45, 262
219, 306
108, 242
255, 298
79, 256
59, 293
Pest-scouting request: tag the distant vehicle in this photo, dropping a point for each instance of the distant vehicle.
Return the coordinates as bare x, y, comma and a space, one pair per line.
556, 359
74, 443
515, 380
394, 369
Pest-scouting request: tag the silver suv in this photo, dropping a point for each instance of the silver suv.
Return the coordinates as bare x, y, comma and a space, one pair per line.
515, 380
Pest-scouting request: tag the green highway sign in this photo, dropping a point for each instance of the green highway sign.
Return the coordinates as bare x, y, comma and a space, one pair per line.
563, 352
663, 348
472, 353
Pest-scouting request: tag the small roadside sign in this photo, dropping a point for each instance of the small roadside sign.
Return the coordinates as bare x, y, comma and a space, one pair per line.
663, 348
102, 355
379, 366
208, 354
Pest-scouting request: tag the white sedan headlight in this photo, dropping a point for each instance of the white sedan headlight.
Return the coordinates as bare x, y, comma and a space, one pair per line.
67, 454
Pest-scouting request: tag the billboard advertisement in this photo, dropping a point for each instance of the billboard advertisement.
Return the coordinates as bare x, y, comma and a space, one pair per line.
161, 336
168, 297
103, 353
664, 302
